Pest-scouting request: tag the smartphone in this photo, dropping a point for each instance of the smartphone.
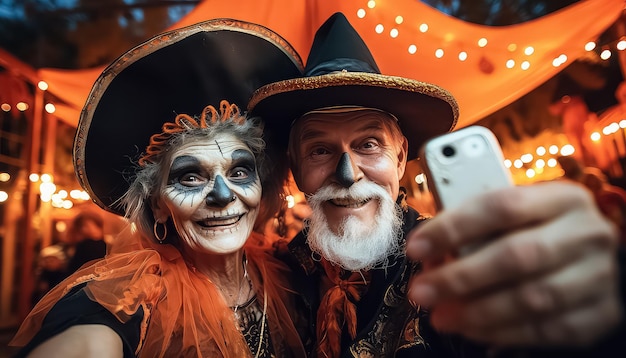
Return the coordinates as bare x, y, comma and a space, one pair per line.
462, 164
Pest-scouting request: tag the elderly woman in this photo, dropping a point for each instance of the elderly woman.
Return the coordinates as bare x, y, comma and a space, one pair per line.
194, 279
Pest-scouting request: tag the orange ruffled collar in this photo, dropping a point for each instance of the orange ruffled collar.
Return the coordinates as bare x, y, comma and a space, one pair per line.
184, 314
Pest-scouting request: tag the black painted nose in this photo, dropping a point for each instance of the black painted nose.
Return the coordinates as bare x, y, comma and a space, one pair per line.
220, 195
344, 171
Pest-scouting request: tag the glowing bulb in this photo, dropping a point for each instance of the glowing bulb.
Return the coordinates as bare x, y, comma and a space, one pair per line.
399, 19
511, 47
525, 65
482, 42
67, 204
371, 4
6, 107
33, 177
462, 56
21, 106
530, 173
553, 149
60, 226
42, 85
552, 162
46, 178
508, 163
540, 163
622, 123
621, 45
439, 53
595, 136
47, 189
412, 49
589, 46
75, 194
393, 33
3, 196
50, 108
423, 28
541, 150
567, 149
360, 13
379, 29
605, 55
510, 63
527, 158
518, 163
529, 50
5, 177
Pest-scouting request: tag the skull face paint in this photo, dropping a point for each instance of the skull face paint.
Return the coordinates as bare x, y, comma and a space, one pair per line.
212, 193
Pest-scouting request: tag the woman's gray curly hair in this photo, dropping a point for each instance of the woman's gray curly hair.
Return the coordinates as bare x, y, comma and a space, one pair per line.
149, 177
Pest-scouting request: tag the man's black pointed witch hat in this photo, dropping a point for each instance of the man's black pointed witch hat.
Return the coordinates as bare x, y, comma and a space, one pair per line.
341, 71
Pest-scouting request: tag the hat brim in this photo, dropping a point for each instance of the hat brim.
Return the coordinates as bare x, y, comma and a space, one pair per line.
423, 110
181, 71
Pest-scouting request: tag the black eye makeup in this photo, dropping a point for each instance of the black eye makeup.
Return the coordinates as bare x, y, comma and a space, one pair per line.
186, 171
243, 172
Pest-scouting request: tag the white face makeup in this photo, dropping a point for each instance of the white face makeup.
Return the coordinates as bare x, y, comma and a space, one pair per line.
212, 194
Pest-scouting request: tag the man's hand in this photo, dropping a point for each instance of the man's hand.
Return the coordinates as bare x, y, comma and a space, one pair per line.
546, 275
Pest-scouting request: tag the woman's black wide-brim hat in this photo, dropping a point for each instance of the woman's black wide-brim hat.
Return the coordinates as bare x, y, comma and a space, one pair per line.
341, 71
180, 71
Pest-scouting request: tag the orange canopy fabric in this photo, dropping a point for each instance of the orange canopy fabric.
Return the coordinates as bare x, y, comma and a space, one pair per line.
482, 83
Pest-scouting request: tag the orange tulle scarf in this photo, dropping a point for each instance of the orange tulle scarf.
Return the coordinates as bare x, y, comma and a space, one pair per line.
184, 314
338, 308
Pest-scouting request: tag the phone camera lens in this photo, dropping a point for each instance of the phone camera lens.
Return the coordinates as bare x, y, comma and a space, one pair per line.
448, 151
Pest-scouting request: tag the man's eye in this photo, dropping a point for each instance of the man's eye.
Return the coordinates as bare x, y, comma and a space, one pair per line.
319, 151
370, 144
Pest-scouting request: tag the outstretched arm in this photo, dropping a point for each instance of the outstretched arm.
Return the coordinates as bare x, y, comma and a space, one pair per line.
546, 276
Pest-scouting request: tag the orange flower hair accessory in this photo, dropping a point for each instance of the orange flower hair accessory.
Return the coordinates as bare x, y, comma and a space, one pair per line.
184, 123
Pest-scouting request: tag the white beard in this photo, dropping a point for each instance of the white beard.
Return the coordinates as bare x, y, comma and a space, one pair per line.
357, 245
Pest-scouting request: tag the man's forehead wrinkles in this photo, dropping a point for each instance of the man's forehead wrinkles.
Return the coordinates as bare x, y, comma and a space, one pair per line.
318, 129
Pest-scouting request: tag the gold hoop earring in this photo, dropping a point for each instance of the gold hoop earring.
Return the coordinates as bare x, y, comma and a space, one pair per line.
160, 239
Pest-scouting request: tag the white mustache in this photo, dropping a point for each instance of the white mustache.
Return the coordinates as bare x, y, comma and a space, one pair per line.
360, 191
357, 245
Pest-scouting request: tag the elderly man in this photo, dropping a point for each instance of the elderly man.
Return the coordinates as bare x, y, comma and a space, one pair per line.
546, 278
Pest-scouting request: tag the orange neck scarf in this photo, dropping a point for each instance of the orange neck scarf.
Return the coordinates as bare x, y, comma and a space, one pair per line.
338, 308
